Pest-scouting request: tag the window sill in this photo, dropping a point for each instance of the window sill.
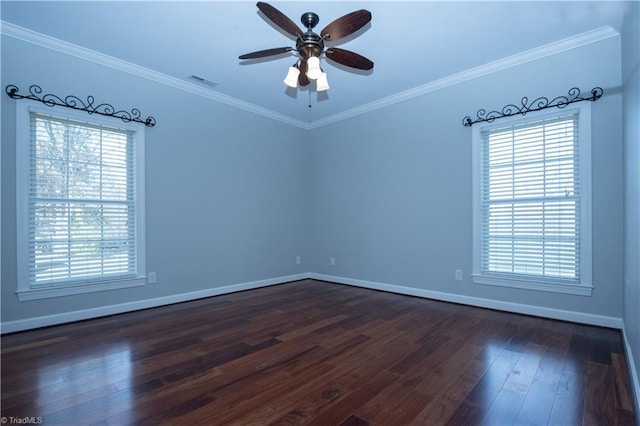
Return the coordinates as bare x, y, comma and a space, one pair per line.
69, 290
580, 290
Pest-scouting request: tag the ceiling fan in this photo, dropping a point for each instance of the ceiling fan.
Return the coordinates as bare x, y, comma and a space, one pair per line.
310, 46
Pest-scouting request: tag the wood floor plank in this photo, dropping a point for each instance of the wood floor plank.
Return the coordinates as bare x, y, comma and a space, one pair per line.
312, 352
537, 405
446, 401
488, 388
569, 399
600, 404
624, 395
342, 410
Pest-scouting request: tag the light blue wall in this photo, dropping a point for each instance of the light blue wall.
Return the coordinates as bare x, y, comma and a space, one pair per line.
233, 197
226, 194
631, 117
392, 188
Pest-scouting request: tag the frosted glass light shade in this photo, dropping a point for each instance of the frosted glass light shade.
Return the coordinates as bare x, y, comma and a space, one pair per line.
314, 71
322, 83
291, 79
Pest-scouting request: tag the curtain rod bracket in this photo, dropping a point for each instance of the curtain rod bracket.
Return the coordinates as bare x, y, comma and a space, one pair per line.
535, 105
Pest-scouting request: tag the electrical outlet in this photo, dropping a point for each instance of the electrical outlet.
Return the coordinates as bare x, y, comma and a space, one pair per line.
151, 277
333, 261
298, 260
458, 274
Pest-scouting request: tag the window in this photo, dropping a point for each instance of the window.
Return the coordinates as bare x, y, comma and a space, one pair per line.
532, 207
80, 203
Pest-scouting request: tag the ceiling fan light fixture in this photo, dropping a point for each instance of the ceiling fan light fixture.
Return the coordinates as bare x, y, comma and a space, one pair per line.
314, 71
291, 79
322, 83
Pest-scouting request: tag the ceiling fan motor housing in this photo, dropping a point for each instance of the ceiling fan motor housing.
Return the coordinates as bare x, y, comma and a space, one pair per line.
311, 44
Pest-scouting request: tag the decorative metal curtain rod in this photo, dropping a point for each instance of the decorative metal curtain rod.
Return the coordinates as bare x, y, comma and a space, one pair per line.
535, 105
75, 102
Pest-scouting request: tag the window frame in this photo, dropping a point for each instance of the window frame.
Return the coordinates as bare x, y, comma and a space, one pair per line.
24, 290
585, 287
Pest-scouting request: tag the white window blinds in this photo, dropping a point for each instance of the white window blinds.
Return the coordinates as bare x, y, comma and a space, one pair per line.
81, 202
530, 200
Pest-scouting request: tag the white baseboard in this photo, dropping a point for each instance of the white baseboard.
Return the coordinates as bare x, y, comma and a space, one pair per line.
633, 372
47, 320
573, 316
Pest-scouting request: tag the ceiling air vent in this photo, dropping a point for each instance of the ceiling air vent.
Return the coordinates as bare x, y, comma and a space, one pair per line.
203, 81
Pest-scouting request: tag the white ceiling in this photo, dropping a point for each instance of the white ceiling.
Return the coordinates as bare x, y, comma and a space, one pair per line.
412, 44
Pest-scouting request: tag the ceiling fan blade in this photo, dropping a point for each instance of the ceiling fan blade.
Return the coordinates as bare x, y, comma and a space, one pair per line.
280, 19
346, 25
348, 58
266, 52
303, 80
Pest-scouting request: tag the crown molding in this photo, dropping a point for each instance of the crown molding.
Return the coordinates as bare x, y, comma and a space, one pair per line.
563, 45
58, 45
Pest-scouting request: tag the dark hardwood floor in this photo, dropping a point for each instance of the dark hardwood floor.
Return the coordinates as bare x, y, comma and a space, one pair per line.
317, 353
